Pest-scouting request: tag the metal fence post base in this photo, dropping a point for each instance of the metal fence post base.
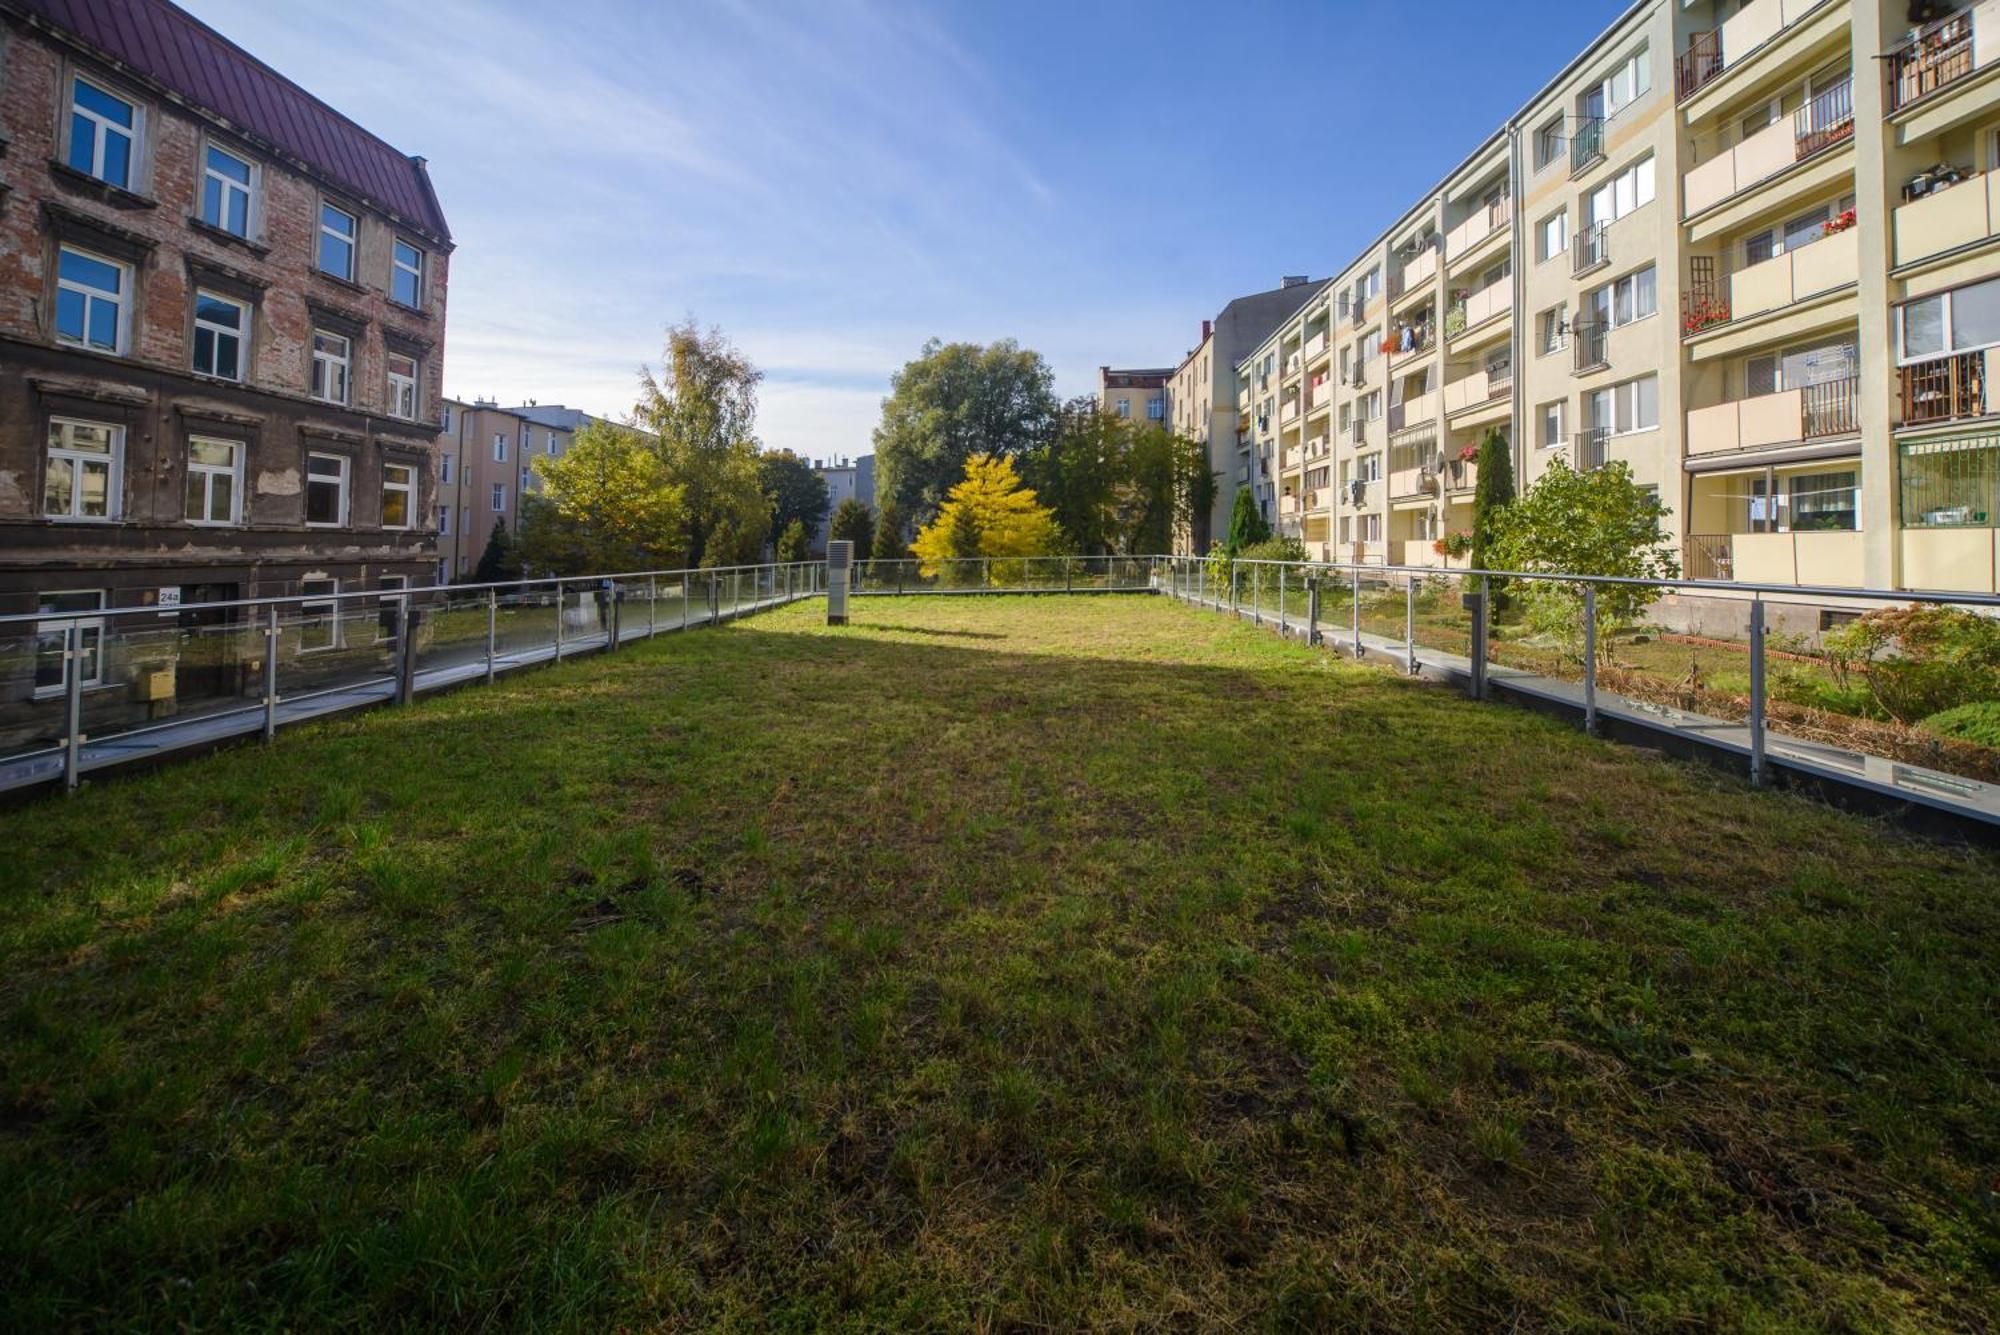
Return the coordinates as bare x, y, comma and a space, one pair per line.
1357, 616
406, 654
1757, 766
1477, 603
271, 674
1590, 658
73, 706
1312, 611
1410, 624
559, 621
492, 625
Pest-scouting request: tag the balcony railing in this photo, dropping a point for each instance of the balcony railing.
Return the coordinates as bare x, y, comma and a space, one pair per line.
1588, 250
1701, 62
1828, 408
1358, 431
1940, 54
1358, 377
1945, 389
1586, 144
1709, 556
1825, 121
1358, 316
1587, 448
1705, 300
1589, 345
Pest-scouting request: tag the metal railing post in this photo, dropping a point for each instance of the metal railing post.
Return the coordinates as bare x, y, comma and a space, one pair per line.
617, 616
986, 567
406, 655
1256, 595
271, 673
1357, 614
559, 621
1410, 624
73, 706
1069, 575
1757, 693
652, 605
1201, 582
1312, 610
1479, 614
1283, 628
1235, 589
714, 599
492, 630
1590, 658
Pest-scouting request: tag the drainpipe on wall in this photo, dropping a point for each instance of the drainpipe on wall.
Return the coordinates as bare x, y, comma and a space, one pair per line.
1517, 200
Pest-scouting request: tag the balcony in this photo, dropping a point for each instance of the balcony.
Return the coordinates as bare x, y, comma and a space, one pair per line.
1832, 262
1944, 220
1410, 339
1319, 394
1589, 343
1421, 410
1586, 144
1359, 315
1288, 504
1588, 250
1710, 53
1419, 269
1357, 376
1316, 346
1944, 389
1812, 558
1588, 448
1460, 475
1409, 482
1477, 390
1820, 124
1288, 412
1941, 54
1488, 303
1357, 431
1811, 412
1483, 223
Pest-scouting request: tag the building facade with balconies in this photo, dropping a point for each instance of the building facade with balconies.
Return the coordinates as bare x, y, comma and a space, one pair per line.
222, 307
1751, 250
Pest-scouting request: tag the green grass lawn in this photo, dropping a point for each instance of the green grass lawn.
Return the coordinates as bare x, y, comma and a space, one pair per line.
1017, 962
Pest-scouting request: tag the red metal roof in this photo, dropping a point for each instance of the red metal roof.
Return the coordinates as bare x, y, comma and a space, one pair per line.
172, 47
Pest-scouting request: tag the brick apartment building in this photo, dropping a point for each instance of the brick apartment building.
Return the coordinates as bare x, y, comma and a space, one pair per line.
222, 318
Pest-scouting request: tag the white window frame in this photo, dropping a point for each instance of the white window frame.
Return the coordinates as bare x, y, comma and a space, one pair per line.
205, 474
228, 186
241, 334
100, 130
1559, 410
499, 498
1642, 177
330, 600
345, 481
499, 447
57, 628
1628, 388
323, 364
1544, 252
113, 460
1637, 70
1946, 317
122, 302
408, 487
1610, 318
444, 470
403, 388
352, 236
444, 521
397, 268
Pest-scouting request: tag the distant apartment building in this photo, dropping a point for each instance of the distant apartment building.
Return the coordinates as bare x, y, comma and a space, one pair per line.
1201, 400
846, 479
1747, 248
485, 459
1137, 394
222, 318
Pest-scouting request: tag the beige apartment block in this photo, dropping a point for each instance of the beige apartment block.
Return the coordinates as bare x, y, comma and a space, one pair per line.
484, 458
1751, 250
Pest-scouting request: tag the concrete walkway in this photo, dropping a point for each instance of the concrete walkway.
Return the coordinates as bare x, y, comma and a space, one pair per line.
30, 768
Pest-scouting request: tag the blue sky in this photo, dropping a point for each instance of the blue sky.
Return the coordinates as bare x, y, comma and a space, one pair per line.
834, 181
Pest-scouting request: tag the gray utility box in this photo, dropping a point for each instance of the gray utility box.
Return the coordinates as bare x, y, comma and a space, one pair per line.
839, 566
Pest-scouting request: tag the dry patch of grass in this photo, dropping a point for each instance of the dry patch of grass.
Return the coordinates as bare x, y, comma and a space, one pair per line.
1013, 961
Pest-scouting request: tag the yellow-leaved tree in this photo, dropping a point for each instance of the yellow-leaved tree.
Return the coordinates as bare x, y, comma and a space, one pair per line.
989, 513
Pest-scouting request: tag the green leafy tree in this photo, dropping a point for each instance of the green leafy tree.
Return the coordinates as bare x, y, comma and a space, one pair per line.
701, 409
794, 489
889, 541
1598, 522
500, 561
1247, 525
854, 522
1118, 485
795, 544
954, 401
607, 504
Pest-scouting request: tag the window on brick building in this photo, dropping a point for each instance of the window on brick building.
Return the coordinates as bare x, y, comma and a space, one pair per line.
103, 133
326, 490
84, 464
406, 278
399, 495
93, 301
337, 229
214, 481
219, 327
402, 386
333, 358
225, 191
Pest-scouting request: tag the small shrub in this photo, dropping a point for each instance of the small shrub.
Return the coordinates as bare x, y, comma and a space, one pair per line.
1921, 661
1978, 722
